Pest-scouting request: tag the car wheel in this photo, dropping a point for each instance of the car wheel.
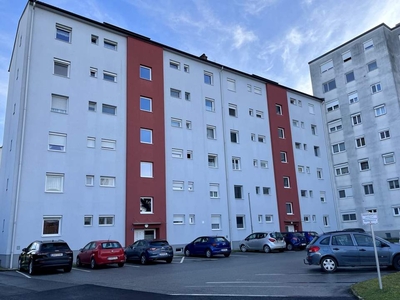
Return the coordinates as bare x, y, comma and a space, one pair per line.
78, 262
396, 262
187, 252
328, 264
169, 260
120, 265
208, 253
93, 264
143, 259
19, 265
31, 269
243, 248
68, 269
126, 258
227, 254
267, 249
289, 247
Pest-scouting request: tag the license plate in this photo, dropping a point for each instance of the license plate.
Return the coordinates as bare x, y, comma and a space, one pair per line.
56, 254
163, 253
112, 258
303, 244
224, 250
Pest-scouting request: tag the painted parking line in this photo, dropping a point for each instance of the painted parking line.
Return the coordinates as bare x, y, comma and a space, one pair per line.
182, 259
82, 270
27, 276
131, 266
233, 295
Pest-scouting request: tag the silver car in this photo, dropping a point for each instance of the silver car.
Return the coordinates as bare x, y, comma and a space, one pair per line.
350, 249
263, 241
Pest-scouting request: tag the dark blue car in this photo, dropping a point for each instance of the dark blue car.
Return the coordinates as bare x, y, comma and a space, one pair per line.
294, 240
309, 235
209, 246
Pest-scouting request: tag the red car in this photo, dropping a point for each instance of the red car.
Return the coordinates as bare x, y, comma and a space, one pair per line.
101, 253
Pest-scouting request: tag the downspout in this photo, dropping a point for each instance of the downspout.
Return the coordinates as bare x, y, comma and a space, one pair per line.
226, 159
14, 226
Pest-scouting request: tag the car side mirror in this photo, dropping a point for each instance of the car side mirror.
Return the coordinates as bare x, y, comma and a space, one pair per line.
246, 239
23, 249
80, 250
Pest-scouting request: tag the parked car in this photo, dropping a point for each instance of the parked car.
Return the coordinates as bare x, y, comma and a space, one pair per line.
294, 240
102, 252
209, 246
46, 255
149, 250
351, 248
263, 241
309, 235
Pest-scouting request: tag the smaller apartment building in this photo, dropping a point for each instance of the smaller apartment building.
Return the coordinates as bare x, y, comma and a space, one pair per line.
360, 83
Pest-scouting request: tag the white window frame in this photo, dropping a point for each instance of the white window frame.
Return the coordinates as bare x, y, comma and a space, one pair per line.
58, 183
325, 220
289, 208
93, 72
178, 185
322, 197
91, 142
144, 75
341, 147
214, 190
342, 169
63, 31
232, 110
87, 220
362, 165
269, 218
388, 158
327, 87
360, 142
190, 186
108, 109
192, 219
62, 63
231, 84
333, 105
384, 134
59, 104
314, 129
174, 64
306, 218
236, 164
212, 130
264, 164
368, 45
210, 104
57, 142
177, 153
107, 144
350, 76
187, 96
213, 157
147, 99
261, 138
177, 123
178, 219
320, 174
243, 223
368, 189
89, 180
238, 188
283, 156
286, 182
371, 66
393, 183
145, 134
259, 114
353, 97
186, 68
335, 126
350, 217
380, 110
346, 56
108, 44
175, 93
300, 169
208, 78
281, 133
266, 190
107, 181
215, 222
326, 66
278, 109
94, 39
51, 219
257, 90
234, 135
146, 169
108, 76
144, 201
106, 220
376, 88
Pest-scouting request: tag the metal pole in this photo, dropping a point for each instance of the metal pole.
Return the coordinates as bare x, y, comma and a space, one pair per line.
251, 218
376, 258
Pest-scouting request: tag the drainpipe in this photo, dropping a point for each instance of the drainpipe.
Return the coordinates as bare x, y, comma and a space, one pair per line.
21, 151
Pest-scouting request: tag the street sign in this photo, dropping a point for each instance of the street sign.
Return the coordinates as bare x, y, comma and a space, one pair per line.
369, 218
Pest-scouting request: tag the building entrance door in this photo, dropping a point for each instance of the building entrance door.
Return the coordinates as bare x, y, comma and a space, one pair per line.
289, 228
140, 234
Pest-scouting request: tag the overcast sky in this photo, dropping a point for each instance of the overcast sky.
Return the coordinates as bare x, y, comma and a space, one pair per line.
274, 39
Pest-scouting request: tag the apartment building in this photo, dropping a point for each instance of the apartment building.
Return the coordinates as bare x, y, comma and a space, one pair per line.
110, 135
360, 83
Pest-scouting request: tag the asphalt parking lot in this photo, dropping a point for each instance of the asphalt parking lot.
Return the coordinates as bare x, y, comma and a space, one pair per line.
242, 275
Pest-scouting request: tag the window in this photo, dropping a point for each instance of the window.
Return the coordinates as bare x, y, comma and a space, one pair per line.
297, 145
255, 163
59, 104
236, 163
368, 189
61, 67
146, 205
372, 211
350, 77
353, 97
146, 169
176, 122
208, 78
325, 220
380, 110
300, 169
340, 147
187, 96
177, 153
174, 65
364, 165
177, 185
94, 39
385, 134
211, 132
54, 183
107, 181
259, 114
145, 104
109, 109
311, 109
106, 220
283, 156
281, 133
110, 44
175, 93
146, 136
251, 112
93, 72
261, 139
234, 136
145, 72
214, 190
190, 186
278, 109
57, 141
356, 119
108, 76
238, 190
360, 142
316, 151
286, 182
263, 164
322, 197
326, 66
305, 146
368, 45
210, 104
240, 222
396, 211
188, 125
319, 173
388, 158
92, 106
257, 190
349, 217
314, 129
257, 90
335, 126
303, 193
63, 33
346, 56
186, 68
87, 220
329, 85
266, 190
51, 225
268, 218
333, 105
178, 219
91, 142
393, 184
342, 169
192, 219
249, 88
376, 88
215, 222
295, 123
232, 110
231, 84
259, 218
306, 218
289, 208
89, 180
212, 160
108, 144
372, 66
253, 137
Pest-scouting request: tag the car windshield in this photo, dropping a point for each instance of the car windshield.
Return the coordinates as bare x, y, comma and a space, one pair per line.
298, 234
51, 247
159, 243
276, 235
110, 245
220, 239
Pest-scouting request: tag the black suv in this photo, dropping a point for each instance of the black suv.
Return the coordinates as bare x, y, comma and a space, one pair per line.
46, 255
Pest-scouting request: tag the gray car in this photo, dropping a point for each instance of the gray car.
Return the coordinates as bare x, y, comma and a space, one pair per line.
263, 241
351, 249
